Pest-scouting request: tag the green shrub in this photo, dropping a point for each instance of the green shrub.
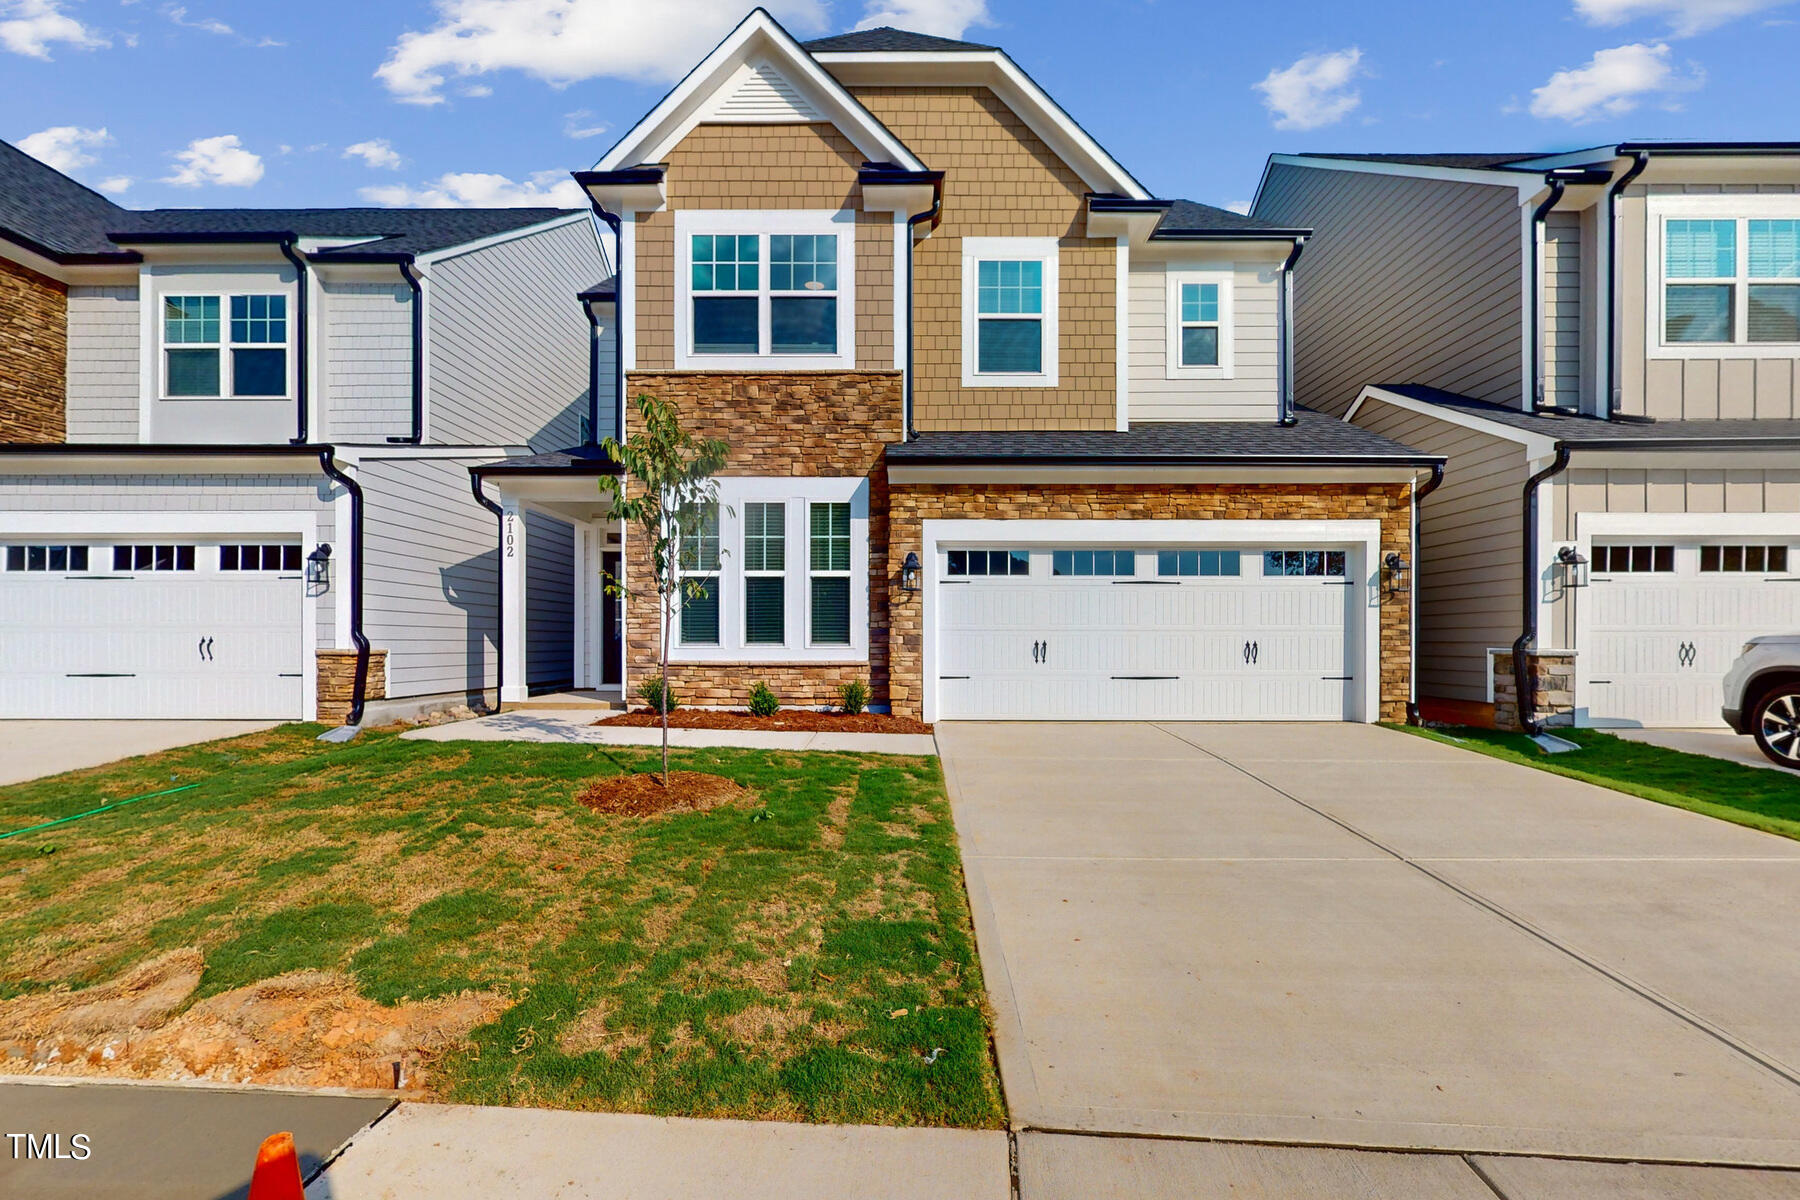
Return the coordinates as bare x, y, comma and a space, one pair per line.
854, 696
656, 694
763, 701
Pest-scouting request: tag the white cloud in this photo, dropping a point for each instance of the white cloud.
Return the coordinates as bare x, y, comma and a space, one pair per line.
220, 160
581, 124
65, 147
116, 183
565, 41
473, 189
376, 152
1315, 90
1611, 83
31, 27
945, 18
1241, 207
1685, 17
178, 13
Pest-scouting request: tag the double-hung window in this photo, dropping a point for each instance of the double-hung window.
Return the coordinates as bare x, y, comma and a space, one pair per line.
762, 289
1730, 281
1009, 312
765, 573
829, 566
1199, 325
699, 612
225, 346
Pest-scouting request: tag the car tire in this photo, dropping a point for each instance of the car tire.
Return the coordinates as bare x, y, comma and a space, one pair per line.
1775, 722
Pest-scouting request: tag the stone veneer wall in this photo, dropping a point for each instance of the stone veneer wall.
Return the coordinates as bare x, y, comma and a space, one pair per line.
34, 356
1553, 682
337, 682
818, 423
912, 504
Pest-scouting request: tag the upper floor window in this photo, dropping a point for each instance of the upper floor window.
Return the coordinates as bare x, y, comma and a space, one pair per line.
1009, 312
1731, 281
762, 286
225, 346
1199, 326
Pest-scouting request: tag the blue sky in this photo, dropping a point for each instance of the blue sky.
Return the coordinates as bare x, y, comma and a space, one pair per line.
331, 102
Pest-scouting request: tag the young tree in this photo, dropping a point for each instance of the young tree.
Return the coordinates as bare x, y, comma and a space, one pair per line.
666, 492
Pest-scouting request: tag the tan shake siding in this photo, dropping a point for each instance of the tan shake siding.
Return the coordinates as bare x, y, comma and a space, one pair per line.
34, 355
1471, 549
764, 167
1690, 388
1000, 180
913, 504
1405, 281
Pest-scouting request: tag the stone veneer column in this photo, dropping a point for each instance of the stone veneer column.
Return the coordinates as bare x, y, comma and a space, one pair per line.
337, 682
1553, 687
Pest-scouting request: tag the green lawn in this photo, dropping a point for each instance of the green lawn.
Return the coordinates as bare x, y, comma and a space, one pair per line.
1766, 800
800, 956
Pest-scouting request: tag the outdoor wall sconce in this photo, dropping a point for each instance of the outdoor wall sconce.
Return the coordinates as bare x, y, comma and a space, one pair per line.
909, 572
1398, 573
1573, 565
318, 566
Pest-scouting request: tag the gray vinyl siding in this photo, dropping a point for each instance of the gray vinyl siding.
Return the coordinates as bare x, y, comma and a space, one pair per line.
368, 361
431, 580
103, 364
223, 494
1250, 395
606, 346
508, 359
549, 601
1405, 281
1562, 310
1471, 549
1690, 388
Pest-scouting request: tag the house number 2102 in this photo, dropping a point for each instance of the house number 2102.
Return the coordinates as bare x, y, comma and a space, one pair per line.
512, 547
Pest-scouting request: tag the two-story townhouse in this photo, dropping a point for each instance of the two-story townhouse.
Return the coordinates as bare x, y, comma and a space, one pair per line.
1604, 344
1010, 437
234, 480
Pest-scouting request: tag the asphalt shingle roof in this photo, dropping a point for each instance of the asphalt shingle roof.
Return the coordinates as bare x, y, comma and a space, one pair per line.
1479, 162
50, 211
1187, 216
577, 460
887, 39
1576, 428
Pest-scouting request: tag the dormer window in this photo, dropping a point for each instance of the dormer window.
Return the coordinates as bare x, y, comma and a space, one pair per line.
764, 290
225, 346
1199, 336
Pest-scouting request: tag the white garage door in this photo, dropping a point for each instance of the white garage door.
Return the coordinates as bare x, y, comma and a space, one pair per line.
1196, 633
1666, 619
151, 630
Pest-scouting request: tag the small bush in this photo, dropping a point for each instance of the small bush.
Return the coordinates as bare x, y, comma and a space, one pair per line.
763, 701
657, 694
853, 697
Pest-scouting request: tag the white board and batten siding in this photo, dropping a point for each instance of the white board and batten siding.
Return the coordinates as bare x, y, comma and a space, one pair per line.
549, 613
368, 360
1250, 394
103, 366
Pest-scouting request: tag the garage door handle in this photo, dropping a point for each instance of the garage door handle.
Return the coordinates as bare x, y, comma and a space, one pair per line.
1687, 654
1036, 647
99, 675
204, 646
1251, 650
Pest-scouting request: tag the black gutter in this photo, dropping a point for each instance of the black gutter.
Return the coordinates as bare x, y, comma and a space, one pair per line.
167, 449
1698, 443
1412, 670
1704, 148
1536, 326
1229, 235
359, 689
910, 459
499, 590
70, 258
616, 224
1527, 640
1285, 334
935, 215
287, 251
626, 178
1615, 394
418, 354
190, 237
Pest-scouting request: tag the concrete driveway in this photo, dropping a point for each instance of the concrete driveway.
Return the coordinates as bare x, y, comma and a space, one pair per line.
38, 748
1337, 935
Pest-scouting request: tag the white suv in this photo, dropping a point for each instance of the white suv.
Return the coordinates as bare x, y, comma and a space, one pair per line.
1762, 696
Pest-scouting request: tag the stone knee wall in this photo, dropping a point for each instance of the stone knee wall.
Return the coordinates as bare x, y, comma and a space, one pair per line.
34, 356
337, 683
1552, 684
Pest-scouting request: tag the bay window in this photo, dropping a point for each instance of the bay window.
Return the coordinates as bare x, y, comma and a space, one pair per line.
225, 346
762, 286
1730, 281
1009, 312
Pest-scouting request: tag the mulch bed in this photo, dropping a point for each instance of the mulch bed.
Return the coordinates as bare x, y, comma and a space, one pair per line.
793, 720
643, 795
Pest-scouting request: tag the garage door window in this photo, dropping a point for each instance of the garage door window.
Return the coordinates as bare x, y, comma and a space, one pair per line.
1636, 560
988, 562
1185, 563
1759, 559
46, 558
1094, 562
1301, 563
259, 558
153, 558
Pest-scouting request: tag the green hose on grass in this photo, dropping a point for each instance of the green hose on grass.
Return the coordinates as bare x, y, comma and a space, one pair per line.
93, 811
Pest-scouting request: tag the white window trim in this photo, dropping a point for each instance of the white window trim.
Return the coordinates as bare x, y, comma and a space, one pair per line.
1042, 249
797, 494
840, 223
1741, 208
224, 346
813, 573
717, 575
1172, 365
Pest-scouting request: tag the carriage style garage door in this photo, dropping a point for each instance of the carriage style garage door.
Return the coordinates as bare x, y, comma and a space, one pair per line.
151, 629
1189, 633
1667, 618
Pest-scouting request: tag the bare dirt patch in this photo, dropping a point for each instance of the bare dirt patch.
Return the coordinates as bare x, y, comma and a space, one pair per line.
644, 794
594, 1030
791, 720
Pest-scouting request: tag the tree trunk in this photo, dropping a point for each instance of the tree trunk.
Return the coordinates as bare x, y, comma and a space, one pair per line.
668, 623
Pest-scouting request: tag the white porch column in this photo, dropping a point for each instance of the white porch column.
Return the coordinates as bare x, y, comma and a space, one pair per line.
512, 601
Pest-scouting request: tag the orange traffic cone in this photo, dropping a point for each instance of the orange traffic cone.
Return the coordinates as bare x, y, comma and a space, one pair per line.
277, 1173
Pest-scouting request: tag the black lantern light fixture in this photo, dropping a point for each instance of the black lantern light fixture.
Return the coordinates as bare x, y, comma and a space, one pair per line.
1572, 564
1399, 574
909, 572
318, 565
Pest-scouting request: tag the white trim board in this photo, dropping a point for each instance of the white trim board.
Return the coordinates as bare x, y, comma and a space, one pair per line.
1537, 445
1045, 250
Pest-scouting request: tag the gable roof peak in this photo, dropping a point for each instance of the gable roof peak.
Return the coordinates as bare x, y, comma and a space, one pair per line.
886, 39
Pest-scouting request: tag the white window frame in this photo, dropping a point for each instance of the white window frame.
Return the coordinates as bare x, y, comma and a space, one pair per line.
1173, 366
224, 346
812, 573
797, 494
783, 573
716, 575
838, 223
1739, 208
976, 250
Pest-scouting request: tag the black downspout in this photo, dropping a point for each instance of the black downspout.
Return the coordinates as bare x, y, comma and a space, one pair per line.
418, 356
287, 251
1615, 356
1285, 401
1537, 291
360, 689
1418, 568
499, 589
931, 214
1522, 677
614, 223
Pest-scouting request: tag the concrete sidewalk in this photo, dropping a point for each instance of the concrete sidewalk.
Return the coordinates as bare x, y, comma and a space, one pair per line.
38, 748
578, 728
1713, 743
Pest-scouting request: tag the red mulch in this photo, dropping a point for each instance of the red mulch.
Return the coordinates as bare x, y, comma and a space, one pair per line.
643, 795
795, 720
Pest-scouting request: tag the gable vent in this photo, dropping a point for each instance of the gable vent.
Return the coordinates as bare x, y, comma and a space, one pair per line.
759, 94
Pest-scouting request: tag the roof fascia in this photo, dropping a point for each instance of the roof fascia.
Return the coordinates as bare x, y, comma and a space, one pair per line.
677, 113
1536, 445
1099, 170
1346, 470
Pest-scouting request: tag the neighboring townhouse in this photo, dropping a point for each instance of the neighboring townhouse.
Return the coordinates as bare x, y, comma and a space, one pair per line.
1010, 437
1604, 344
234, 481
